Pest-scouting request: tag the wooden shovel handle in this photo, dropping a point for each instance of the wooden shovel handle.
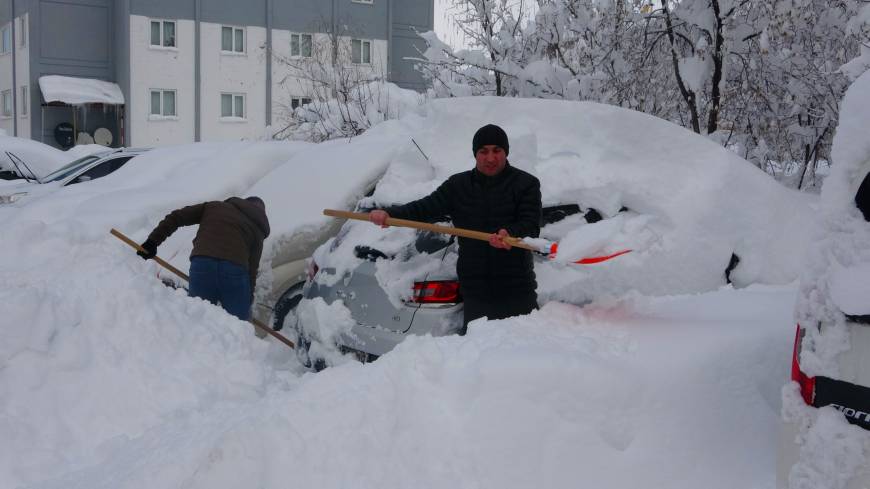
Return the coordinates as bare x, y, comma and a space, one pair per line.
425, 226
166, 265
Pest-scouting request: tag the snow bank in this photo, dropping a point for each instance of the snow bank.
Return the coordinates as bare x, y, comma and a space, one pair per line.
561, 396
692, 203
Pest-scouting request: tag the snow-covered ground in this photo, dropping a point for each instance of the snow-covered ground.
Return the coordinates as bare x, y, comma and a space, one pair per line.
108, 379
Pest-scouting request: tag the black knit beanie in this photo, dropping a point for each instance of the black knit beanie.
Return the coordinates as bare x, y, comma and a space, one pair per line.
490, 134
256, 201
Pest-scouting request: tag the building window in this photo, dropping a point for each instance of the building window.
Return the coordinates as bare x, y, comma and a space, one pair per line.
300, 45
163, 33
361, 51
22, 32
297, 102
5, 39
232, 39
6, 97
233, 105
163, 103
24, 100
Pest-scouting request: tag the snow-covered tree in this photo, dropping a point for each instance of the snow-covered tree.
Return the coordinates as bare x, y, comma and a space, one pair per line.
762, 78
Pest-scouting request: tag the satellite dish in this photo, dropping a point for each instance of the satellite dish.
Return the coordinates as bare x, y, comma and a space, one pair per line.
64, 134
84, 138
103, 136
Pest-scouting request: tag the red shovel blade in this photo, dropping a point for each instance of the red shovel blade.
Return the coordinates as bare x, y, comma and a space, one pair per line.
589, 260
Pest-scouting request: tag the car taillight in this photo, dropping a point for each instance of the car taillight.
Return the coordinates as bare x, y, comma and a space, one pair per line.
807, 384
312, 269
436, 292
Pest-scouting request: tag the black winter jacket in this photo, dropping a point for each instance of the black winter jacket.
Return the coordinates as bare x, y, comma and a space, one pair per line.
510, 200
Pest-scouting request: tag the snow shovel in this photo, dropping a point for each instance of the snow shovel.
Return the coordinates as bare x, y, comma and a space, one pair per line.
166, 265
467, 233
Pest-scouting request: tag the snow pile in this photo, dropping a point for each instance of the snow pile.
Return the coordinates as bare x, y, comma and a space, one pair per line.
565, 394
691, 204
75, 91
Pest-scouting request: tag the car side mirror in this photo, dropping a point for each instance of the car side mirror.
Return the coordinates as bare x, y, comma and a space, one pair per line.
83, 178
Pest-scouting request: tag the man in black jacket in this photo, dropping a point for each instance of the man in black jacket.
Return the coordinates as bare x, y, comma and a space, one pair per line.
496, 280
226, 249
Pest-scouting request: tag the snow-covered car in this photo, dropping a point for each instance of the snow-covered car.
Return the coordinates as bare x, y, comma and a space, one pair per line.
825, 432
306, 180
84, 169
22, 158
696, 215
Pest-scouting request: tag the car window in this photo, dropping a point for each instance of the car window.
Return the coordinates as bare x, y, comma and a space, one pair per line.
100, 170
70, 168
556, 213
429, 242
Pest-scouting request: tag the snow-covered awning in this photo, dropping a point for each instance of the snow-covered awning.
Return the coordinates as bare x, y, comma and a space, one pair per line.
72, 90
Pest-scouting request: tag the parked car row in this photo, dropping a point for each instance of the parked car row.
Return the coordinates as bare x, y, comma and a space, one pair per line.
84, 169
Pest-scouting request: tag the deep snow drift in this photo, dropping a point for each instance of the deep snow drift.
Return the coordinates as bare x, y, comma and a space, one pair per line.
109, 379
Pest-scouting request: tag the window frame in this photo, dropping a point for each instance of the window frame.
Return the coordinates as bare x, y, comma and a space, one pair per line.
162, 34
234, 29
299, 102
22, 29
363, 43
24, 105
162, 115
300, 36
6, 98
7, 44
235, 96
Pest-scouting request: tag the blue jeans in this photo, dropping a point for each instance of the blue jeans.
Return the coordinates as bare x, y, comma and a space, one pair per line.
221, 282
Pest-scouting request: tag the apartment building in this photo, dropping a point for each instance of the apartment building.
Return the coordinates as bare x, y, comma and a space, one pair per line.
158, 72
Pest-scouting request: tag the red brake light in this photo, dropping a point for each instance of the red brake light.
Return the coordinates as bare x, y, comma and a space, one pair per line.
807, 384
436, 292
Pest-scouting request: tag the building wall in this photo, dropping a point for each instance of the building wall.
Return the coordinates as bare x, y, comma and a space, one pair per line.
22, 77
108, 40
6, 82
70, 38
408, 18
17, 22
162, 68
234, 74
291, 76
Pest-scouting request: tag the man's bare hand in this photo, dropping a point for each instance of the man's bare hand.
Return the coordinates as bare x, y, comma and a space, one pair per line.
379, 217
497, 240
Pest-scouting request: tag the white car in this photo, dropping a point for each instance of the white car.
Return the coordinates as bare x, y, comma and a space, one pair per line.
84, 169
